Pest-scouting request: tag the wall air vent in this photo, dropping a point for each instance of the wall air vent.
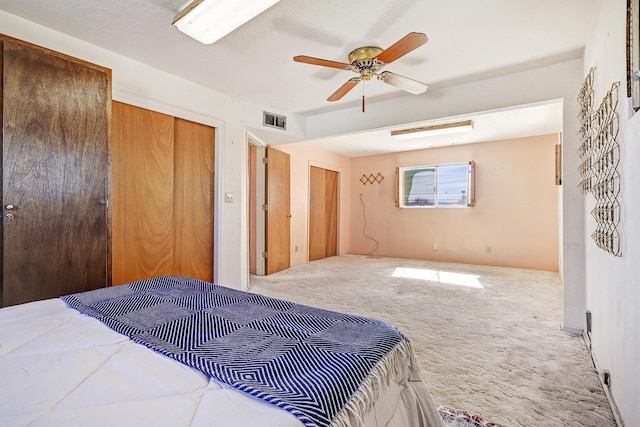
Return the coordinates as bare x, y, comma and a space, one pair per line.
274, 120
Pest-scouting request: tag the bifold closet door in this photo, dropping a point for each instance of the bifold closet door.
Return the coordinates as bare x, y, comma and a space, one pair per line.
163, 188
55, 174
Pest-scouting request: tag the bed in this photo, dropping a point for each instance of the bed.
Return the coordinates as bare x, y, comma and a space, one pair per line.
175, 351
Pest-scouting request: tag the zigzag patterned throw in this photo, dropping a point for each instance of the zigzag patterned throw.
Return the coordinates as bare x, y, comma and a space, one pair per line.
319, 365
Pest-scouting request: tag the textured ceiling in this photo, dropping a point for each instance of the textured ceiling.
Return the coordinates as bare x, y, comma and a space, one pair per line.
531, 120
468, 40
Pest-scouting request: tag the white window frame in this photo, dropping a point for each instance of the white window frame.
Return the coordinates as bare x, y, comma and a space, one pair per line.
402, 199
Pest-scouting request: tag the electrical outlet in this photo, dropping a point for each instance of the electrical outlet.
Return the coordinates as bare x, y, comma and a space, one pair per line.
488, 249
435, 246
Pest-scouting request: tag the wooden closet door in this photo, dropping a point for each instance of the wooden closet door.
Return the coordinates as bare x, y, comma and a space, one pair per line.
143, 165
323, 213
55, 172
331, 212
193, 200
163, 194
317, 217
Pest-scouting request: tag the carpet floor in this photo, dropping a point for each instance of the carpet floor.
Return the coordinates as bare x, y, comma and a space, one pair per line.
488, 339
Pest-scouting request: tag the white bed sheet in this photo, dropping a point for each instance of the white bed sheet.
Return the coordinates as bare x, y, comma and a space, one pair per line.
59, 367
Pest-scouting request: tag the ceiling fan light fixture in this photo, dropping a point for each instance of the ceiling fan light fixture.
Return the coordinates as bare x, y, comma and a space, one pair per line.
405, 83
441, 129
209, 20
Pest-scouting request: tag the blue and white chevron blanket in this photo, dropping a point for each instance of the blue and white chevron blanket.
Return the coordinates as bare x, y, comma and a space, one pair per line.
319, 365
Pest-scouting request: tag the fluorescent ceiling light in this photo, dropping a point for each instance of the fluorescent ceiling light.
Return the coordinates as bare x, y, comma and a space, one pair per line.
209, 20
442, 129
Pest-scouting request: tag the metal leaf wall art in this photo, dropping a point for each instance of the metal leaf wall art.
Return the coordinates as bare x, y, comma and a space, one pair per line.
585, 117
600, 154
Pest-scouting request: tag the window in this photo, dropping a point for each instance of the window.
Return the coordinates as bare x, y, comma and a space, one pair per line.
439, 186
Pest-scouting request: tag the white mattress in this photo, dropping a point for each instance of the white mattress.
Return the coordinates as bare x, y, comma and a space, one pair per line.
61, 368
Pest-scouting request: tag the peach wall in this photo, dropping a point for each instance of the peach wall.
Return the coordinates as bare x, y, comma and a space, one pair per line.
302, 157
516, 210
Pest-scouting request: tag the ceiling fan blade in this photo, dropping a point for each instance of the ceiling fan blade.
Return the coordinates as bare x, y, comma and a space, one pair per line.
344, 89
402, 47
323, 62
405, 83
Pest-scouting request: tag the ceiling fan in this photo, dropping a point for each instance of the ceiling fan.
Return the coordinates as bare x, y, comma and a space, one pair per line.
367, 61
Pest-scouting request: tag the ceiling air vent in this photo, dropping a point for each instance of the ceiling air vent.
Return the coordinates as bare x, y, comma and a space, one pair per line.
274, 120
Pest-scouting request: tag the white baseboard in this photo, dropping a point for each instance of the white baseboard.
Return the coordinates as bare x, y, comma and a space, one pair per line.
612, 404
572, 330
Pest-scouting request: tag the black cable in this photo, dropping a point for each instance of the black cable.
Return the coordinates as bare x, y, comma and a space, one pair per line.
364, 227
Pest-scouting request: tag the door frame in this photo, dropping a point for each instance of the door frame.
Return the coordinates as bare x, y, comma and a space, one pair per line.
260, 215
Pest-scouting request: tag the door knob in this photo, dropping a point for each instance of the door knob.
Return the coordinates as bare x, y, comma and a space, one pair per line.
9, 207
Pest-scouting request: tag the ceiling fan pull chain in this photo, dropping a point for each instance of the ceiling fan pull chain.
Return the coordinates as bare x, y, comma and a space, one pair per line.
363, 97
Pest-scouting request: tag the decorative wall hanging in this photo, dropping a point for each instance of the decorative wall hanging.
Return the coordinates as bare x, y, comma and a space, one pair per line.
371, 179
585, 133
599, 152
605, 173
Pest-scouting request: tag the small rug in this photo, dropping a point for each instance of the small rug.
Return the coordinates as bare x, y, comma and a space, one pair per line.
454, 418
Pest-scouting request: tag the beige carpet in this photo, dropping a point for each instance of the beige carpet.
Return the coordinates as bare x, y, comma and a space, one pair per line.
488, 338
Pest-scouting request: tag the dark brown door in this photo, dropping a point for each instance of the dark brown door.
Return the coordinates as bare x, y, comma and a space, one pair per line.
323, 213
278, 213
54, 175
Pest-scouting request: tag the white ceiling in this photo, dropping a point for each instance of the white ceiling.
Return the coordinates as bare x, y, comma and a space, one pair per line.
531, 120
468, 40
